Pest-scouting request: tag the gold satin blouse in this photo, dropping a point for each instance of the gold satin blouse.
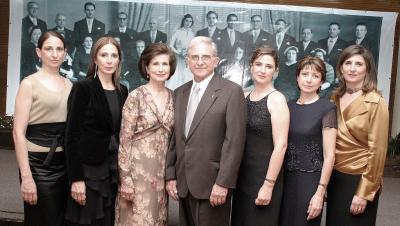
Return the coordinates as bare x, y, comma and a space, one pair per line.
361, 142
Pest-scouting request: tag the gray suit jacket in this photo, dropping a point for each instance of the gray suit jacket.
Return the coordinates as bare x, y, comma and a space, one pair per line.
213, 149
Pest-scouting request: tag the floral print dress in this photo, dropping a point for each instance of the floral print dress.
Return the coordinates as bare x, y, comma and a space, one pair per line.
144, 141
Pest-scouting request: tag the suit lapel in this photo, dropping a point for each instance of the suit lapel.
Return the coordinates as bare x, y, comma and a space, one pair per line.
206, 102
182, 108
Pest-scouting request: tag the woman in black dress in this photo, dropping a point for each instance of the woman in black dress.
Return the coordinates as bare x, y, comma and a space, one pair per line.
93, 125
311, 148
286, 80
257, 198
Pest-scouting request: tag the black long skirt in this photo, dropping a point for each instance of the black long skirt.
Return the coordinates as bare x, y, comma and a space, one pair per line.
101, 183
299, 188
341, 190
52, 187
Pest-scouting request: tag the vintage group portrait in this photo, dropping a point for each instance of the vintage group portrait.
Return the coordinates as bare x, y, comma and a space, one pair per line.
236, 28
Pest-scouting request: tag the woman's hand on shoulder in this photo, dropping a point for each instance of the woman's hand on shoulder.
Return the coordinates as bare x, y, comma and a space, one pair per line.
78, 192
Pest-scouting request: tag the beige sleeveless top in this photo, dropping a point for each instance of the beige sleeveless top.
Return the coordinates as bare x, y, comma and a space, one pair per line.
47, 106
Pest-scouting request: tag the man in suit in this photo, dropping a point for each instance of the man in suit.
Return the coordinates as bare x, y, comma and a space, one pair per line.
333, 45
126, 35
31, 20
280, 40
153, 35
211, 30
68, 34
88, 26
207, 144
364, 40
257, 37
306, 44
230, 37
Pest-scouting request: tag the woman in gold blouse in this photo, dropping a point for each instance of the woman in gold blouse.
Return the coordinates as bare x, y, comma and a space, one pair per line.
361, 144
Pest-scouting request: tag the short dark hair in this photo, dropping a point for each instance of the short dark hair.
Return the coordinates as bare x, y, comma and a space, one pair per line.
88, 4
31, 2
362, 24
212, 12
278, 20
123, 13
313, 62
152, 51
265, 50
257, 15
46, 35
32, 28
231, 15
307, 28
335, 23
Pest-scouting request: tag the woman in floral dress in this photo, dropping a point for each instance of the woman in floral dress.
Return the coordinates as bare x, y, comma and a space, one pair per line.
147, 122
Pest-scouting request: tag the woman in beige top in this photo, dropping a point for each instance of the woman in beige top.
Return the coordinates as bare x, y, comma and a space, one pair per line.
361, 144
39, 124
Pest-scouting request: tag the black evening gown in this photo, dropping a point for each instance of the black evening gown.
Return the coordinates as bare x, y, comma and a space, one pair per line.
304, 159
253, 169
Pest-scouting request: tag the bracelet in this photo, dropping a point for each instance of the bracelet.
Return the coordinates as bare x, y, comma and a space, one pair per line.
270, 181
322, 185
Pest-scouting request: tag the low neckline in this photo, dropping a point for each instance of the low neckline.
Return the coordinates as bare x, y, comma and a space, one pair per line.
158, 112
255, 101
50, 90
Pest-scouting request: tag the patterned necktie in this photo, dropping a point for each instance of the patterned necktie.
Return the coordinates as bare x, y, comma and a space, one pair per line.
193, 103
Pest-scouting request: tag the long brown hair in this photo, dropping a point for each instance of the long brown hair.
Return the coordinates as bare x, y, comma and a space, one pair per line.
92, 65
370, 81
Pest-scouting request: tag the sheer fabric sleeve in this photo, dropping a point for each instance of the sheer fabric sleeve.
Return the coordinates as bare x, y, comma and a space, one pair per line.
330, 119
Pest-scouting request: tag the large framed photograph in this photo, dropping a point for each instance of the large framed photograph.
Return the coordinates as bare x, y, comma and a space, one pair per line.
236, 28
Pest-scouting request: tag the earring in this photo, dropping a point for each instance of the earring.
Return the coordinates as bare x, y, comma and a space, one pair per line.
95, 71
147, 76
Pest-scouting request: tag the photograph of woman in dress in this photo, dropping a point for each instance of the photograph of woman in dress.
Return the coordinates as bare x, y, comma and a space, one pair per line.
92, 135
286, 80
329, 84
258, 193
39, 125
147, 122
311, 148
81, 60
361, 144
179, 43
30, 62
236, 69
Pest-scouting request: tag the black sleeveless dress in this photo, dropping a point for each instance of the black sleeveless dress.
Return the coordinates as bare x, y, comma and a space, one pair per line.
253, 169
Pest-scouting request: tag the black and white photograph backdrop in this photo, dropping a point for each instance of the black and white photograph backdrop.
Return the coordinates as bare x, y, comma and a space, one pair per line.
236, 28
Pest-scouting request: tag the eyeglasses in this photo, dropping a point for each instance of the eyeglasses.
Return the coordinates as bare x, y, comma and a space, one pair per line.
204, 58
122, 18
